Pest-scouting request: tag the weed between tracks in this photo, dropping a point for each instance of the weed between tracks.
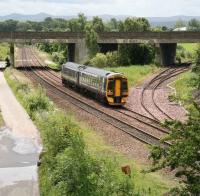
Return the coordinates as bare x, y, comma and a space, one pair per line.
76, 161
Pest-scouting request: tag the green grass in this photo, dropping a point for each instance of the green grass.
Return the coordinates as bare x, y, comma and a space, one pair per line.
151, 184
184, 87
4, 51
190, 47
135, 73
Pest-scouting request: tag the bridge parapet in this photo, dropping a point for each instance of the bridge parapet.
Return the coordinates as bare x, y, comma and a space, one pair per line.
107, 37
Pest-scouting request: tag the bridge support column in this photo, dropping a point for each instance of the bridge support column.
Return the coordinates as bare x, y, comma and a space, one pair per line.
166, 53
77, 52
12, 54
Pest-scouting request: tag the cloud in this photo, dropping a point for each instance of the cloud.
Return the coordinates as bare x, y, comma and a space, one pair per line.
98, 7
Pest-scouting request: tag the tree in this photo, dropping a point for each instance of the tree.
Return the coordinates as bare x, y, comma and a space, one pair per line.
194, 25
82, 20
113, 24
91, 41
135, 25
183, 156
135, 53
180, 23
23, 26
97, 24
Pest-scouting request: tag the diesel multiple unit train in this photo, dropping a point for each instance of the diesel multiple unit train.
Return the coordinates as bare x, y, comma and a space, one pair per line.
105, 86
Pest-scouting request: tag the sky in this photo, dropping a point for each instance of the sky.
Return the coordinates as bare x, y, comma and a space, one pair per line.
145, 8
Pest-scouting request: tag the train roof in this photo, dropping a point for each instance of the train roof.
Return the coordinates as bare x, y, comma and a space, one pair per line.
89, 69
71, 65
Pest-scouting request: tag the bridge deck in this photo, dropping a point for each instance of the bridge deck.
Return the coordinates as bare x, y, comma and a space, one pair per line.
109, 37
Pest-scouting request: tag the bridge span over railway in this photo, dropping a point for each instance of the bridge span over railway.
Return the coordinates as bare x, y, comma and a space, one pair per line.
164, 42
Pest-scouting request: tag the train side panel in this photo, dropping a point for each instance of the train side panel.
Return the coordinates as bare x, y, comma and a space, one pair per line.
92, 83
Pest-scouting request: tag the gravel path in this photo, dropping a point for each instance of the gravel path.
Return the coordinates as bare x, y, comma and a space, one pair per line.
19, 147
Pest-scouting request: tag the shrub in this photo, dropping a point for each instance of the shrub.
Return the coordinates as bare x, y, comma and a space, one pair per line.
58, 57
36, 102
74, 171
99, 60
136, 54
110, 59
183, 155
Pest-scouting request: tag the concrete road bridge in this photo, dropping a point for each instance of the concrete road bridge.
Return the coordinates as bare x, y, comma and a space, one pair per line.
164, 42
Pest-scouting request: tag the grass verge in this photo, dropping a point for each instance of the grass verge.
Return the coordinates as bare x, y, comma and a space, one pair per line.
135, 73
77, 161
190, 47
4, 51
184, 85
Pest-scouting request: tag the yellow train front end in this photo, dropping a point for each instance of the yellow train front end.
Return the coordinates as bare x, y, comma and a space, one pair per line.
117, 90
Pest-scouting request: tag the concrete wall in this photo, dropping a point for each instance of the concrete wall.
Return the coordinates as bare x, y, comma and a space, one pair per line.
108, 37
165, 54
12, 54
77, 52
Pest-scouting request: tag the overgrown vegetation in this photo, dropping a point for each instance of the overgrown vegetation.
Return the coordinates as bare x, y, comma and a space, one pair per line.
4, 51
185, 86
58, 52
68, 166
185, 53
110, 59
183, 156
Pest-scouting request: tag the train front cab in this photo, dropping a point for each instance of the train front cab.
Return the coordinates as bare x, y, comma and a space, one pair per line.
116, 90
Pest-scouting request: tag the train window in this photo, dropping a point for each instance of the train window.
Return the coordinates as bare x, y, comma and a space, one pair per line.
124, 85
111, 85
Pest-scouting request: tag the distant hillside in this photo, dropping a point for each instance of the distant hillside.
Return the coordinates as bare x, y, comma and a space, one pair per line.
155, 21
21, 17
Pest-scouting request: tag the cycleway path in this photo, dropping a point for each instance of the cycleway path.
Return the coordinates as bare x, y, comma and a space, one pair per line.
19, 147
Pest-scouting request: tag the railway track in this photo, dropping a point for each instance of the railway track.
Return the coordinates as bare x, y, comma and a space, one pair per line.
153, 85
125, 111
59, 92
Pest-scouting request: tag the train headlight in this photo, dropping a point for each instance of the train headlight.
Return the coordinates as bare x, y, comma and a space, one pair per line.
110, 100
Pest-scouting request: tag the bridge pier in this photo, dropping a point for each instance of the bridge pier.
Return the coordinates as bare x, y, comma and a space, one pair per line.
77, 52
12, 54
165, 53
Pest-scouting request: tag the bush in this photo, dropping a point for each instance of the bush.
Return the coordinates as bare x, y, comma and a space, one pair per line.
72, 170
58, 57
37, 102
183, 155
136, 54
110, 59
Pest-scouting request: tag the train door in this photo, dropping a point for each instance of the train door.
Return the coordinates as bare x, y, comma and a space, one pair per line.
117, 88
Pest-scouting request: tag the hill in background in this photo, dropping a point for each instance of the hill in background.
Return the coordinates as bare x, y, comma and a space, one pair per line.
154, 21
